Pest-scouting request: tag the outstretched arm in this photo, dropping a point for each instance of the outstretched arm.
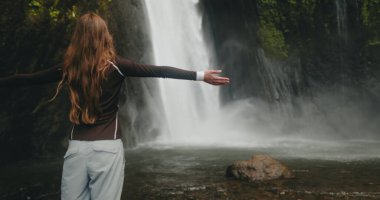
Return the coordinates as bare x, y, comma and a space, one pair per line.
130, 68
50, 75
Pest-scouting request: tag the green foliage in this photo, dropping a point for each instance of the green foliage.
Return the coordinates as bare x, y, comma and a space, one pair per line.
370, 13
59, 11
36, 8
34, 35
282, 24
365, 12
39, 31
273, 40
270, 35
40, 9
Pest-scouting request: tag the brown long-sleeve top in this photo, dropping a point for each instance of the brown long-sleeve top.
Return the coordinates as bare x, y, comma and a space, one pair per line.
106, 126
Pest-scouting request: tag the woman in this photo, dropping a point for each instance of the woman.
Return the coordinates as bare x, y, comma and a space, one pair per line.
94, 162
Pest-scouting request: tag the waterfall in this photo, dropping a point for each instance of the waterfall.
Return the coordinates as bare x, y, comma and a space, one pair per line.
341, 21
178, 41
192, 110
341, 16
281, 80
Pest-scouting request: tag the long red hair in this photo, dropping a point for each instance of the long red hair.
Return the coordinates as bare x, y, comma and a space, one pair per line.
85, 65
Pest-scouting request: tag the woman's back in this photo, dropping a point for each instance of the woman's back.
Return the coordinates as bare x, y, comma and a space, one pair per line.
106, 126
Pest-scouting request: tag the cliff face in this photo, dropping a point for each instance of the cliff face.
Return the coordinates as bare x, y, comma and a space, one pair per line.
34, 36
313, 61
322, 44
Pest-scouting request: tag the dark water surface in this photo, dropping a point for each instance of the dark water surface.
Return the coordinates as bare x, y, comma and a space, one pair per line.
198, 173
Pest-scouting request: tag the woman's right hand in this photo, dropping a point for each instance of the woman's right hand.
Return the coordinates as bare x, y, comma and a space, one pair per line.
212, 77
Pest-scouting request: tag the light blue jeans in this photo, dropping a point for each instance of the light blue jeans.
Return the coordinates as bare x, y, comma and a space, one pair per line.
93, 170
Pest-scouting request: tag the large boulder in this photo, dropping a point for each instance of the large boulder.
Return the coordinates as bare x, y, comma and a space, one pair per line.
258, 168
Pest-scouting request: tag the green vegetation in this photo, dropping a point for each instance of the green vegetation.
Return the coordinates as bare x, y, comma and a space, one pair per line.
371, 19
33, 36
280, 24
270, 34
273, 40
39, 29
58, 11
283, 23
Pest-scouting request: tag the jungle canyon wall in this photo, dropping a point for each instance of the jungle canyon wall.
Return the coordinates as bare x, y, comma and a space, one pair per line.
314, 61
331, 39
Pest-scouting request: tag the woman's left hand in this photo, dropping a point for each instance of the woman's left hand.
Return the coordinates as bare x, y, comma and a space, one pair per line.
212, 77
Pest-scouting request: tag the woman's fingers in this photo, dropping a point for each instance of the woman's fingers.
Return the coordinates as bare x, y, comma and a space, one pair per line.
215, 71
212, 77
220, 80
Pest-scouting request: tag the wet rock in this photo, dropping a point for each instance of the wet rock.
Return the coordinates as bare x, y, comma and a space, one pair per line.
258, 168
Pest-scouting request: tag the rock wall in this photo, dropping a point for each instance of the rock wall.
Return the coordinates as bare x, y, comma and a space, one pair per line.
313, 60
333, 42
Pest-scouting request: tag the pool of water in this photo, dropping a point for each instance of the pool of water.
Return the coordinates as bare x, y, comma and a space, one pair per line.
161, 171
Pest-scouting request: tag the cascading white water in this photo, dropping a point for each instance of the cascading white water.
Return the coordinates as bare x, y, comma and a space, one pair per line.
192, 110
341, 15
177, 38
341, 20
